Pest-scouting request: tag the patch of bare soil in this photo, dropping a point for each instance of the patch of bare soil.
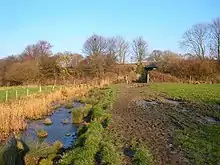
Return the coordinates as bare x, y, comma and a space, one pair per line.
142, 115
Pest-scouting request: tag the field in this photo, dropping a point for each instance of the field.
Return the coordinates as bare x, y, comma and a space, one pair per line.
208, 93
139, 124
10, 93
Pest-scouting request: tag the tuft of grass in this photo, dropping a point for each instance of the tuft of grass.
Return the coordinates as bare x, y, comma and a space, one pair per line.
142, 156
69, 105
48, 121
46, 162
202, 145
86, 109
109, 155
42, 150
208, 93
42, 133
77, 115
65, 121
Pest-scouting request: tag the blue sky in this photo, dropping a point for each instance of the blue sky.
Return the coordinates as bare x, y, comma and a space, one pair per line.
67, 23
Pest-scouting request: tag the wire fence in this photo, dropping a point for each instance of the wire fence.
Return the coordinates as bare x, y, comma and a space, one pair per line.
11, 93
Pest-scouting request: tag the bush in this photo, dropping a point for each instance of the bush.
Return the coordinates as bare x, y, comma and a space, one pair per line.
109, 155
142, 156
77, 115
196, 70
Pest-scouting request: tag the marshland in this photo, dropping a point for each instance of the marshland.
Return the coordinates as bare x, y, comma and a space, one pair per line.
139, 91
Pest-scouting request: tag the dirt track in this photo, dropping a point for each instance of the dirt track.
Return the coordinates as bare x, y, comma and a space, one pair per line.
152, 123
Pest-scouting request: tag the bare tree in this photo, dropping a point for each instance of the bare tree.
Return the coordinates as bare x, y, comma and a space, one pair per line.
95, 45
41, 48
215, 38
139, 49
195, 40
111, 47
123, 49
156, 55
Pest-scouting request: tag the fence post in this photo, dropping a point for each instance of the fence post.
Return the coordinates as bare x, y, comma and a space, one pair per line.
27, 91
16, 94
6, 95
40, 89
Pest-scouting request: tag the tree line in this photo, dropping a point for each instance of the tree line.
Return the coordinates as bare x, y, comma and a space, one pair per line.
102, 55
38, 64
202, 40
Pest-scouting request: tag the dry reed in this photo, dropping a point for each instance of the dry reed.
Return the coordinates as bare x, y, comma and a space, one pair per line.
13, 116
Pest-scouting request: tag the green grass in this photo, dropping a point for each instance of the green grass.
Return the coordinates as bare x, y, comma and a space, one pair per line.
208, 93
90, 146
22, 91
142, 156
77, 115
202, 145
109, 155
86, 147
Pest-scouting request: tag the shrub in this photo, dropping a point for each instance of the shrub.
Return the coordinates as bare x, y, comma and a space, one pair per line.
109, 155
46, 162
142, 156
77, 115
191, 69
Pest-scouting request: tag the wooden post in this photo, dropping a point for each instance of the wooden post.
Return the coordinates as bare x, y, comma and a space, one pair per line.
16, 94
6, 95
27, 91
147, 77
40, 89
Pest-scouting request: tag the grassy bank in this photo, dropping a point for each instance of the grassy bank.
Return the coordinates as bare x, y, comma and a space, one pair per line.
91, 147
208, 93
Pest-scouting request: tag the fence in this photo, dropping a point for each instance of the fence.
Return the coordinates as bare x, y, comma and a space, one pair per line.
18, 92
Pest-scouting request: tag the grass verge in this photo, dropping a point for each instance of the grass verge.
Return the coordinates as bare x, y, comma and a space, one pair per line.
90, 146
202, 145
208, 93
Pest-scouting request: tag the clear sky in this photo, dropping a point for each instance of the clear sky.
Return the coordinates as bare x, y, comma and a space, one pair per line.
67, 23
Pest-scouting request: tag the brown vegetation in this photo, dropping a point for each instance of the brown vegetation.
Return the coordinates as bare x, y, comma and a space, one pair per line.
13, 115
205, 71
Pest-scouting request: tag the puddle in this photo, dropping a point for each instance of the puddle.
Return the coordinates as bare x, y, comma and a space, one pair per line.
128, 152
171, 101
145, 103
210, 120
66, 133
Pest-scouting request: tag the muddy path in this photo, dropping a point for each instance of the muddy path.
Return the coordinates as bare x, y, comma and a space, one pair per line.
150, 118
